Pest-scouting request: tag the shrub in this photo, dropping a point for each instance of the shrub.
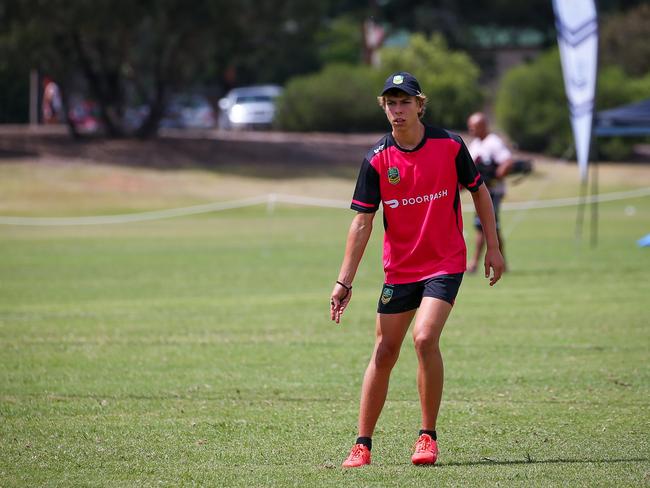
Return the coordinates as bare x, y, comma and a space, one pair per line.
531, 106
616, 88
340, 98
448, 78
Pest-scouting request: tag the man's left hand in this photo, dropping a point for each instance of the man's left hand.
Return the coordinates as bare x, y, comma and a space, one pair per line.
494, 261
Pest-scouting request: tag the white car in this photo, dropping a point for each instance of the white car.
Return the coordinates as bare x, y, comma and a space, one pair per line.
248, 107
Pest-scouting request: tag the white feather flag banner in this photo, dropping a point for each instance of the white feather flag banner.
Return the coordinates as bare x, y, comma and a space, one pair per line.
577, 35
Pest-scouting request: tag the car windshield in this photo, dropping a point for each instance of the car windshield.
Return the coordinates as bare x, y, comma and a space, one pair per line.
253, 98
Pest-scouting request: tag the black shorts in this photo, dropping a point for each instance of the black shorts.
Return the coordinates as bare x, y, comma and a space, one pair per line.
408, 296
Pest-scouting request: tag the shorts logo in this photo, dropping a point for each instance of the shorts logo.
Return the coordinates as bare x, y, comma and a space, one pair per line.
398, 79
393, 176
386, 295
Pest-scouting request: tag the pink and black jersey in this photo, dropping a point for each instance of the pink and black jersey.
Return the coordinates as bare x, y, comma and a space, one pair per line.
420, 194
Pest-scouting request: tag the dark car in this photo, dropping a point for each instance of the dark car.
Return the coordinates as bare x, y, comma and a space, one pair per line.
189, 110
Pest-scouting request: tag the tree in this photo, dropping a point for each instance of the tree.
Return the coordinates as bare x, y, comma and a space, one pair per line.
138, 52
454, 18
624, 40
126, 51
341, 41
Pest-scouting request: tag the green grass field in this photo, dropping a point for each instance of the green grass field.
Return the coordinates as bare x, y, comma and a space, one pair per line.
198, 351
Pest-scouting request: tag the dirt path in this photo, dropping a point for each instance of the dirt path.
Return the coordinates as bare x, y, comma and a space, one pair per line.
266, 154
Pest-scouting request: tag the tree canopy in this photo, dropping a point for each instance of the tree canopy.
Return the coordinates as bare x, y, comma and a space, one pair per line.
137, 52
126, 53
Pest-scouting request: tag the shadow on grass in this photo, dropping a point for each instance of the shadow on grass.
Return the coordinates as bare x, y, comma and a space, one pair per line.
509, 462
238, 395
260, 156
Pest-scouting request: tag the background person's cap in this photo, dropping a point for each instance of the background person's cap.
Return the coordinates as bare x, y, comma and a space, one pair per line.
402, 81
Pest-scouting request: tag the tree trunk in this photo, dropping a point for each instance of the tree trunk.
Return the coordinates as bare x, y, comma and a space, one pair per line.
149, 128
63, 87
113, 128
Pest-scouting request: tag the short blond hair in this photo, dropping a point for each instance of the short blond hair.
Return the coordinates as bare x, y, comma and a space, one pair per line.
421, 99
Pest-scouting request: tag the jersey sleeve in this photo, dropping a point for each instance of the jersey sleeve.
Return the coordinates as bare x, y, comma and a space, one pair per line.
366, 197
468, 174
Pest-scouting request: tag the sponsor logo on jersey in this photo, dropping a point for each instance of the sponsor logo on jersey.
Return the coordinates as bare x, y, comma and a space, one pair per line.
431, 197
386, 294
392, 203
378, 149
393, 176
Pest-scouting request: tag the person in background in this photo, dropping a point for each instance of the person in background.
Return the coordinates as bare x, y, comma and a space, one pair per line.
494, 161
52, 105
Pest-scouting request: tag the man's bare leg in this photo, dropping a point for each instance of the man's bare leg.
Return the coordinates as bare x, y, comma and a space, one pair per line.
479, 244
429, 323
390, 332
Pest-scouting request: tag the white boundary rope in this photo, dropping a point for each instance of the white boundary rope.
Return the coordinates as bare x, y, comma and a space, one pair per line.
272, 199
136, 217
569, 202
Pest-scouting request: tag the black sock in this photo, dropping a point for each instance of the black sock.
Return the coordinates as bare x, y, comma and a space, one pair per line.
432, 433
366, 441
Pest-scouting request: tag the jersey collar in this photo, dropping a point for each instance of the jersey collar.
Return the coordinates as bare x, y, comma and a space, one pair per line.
420, 144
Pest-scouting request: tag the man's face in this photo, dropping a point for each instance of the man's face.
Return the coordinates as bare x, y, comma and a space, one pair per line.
477, 127
402, 110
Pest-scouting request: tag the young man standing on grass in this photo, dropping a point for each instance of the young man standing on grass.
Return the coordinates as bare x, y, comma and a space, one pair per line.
414, 172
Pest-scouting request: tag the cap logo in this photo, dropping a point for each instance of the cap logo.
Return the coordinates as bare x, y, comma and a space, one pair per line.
398, 79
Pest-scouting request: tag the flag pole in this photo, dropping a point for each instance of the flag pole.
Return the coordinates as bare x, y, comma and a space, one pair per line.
594, 197
582, 203
594, 153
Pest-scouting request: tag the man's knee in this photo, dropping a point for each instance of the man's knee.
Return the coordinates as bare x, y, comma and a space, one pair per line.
386, 354
426, 344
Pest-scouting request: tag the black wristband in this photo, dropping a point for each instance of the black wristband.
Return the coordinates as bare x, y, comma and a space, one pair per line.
348, 288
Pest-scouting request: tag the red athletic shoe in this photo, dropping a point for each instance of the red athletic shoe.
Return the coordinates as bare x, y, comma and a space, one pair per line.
359, 456
426, 450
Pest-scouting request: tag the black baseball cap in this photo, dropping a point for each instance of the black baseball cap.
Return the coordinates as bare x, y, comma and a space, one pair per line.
402, 81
